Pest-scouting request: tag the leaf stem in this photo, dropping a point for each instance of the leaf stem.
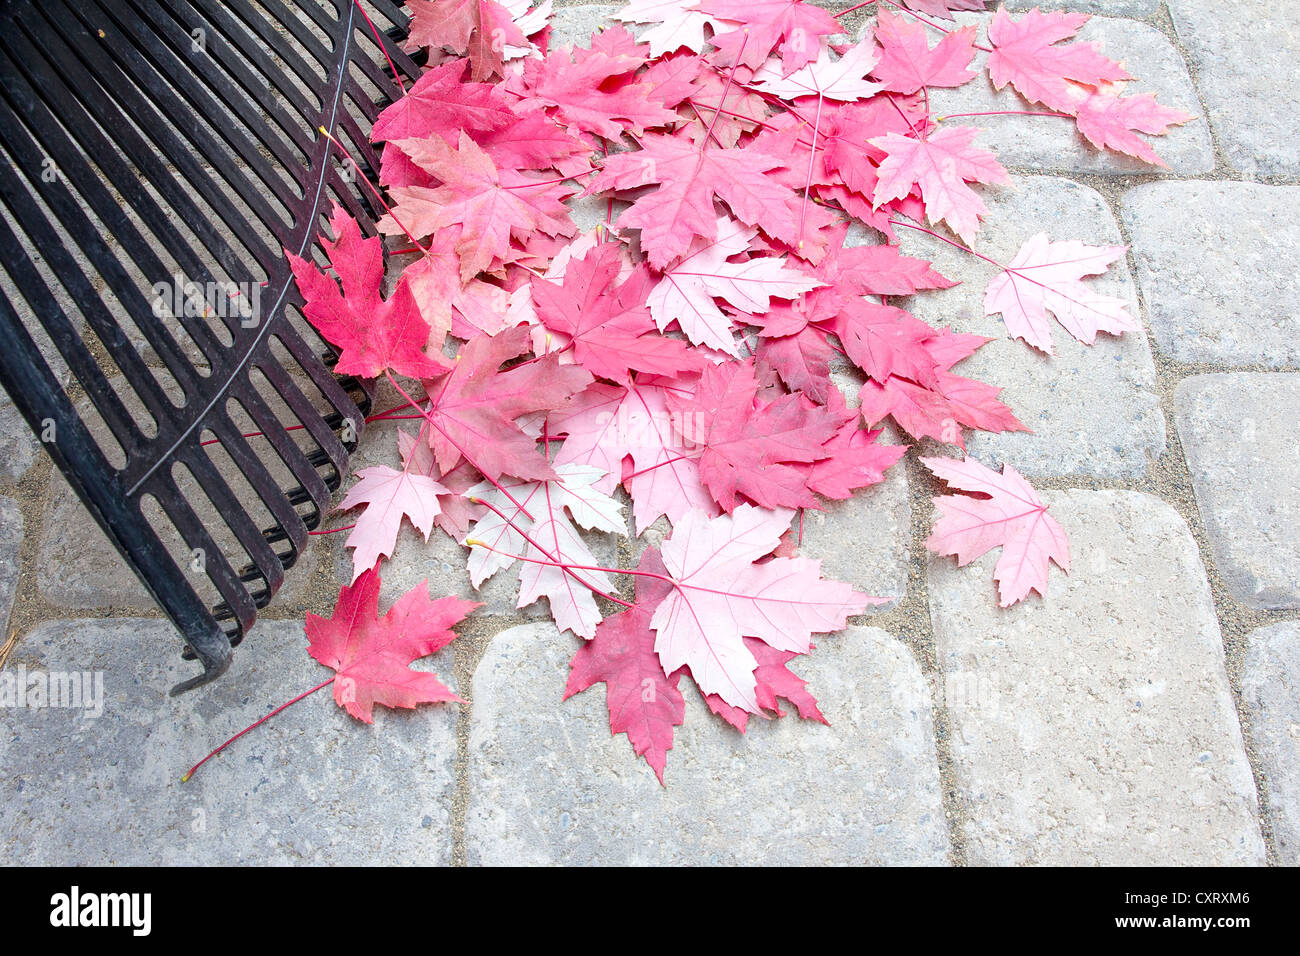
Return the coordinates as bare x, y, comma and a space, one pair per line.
190, 773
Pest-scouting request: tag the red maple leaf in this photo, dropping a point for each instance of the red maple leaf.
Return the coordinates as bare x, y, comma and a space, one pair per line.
607, 323
474, 406
907, 63
375, 334
747, 447
442, 103
372, 655
643, 701
480, 29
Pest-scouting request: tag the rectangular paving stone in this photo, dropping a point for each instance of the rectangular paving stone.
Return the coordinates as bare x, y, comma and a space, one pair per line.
1106, 733
549, 785
11, 541
1269, 682
1244, 57
1218, 262
1053, 144
18, 447
864, 540
1093, 409
312, 785
1111, 8
1240, 438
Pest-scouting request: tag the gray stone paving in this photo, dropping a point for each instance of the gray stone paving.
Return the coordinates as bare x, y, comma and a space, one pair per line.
1270, 688
312, 785
548, 784
1241, 435
11, 540
17, 443
1245, 60
1216, 264
1093, 410
1097, 726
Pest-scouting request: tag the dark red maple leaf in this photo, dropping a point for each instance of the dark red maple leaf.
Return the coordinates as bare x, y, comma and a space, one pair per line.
607, 323
372, 655
643, 701
375, 334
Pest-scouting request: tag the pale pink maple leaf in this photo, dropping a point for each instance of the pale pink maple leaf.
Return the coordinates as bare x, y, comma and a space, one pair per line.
843, 78
722, 596
1045, 277
1012, 516
687, 291
389, 495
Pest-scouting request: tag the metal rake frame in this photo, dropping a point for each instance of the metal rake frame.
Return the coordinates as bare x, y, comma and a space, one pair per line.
173, 144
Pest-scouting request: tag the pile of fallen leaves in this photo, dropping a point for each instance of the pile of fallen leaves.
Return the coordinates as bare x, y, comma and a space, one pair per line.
682, 349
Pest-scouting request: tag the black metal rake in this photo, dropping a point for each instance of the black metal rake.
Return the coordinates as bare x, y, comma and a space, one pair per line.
157, 155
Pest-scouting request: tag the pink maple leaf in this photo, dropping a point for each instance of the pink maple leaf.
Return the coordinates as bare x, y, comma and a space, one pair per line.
689, 179
941, 166
488, 205
389, 495
1111, 122
1028, 55
908, 64
722, 595
791, 27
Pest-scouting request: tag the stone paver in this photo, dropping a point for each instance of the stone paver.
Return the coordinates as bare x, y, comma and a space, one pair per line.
1217, 262
310, 786
1111, 8
1244, 56
548, 784
1270, 689
1240, 437
11, 540
574, 25
1105, 732
1093, 409
17, 443
1053, 144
